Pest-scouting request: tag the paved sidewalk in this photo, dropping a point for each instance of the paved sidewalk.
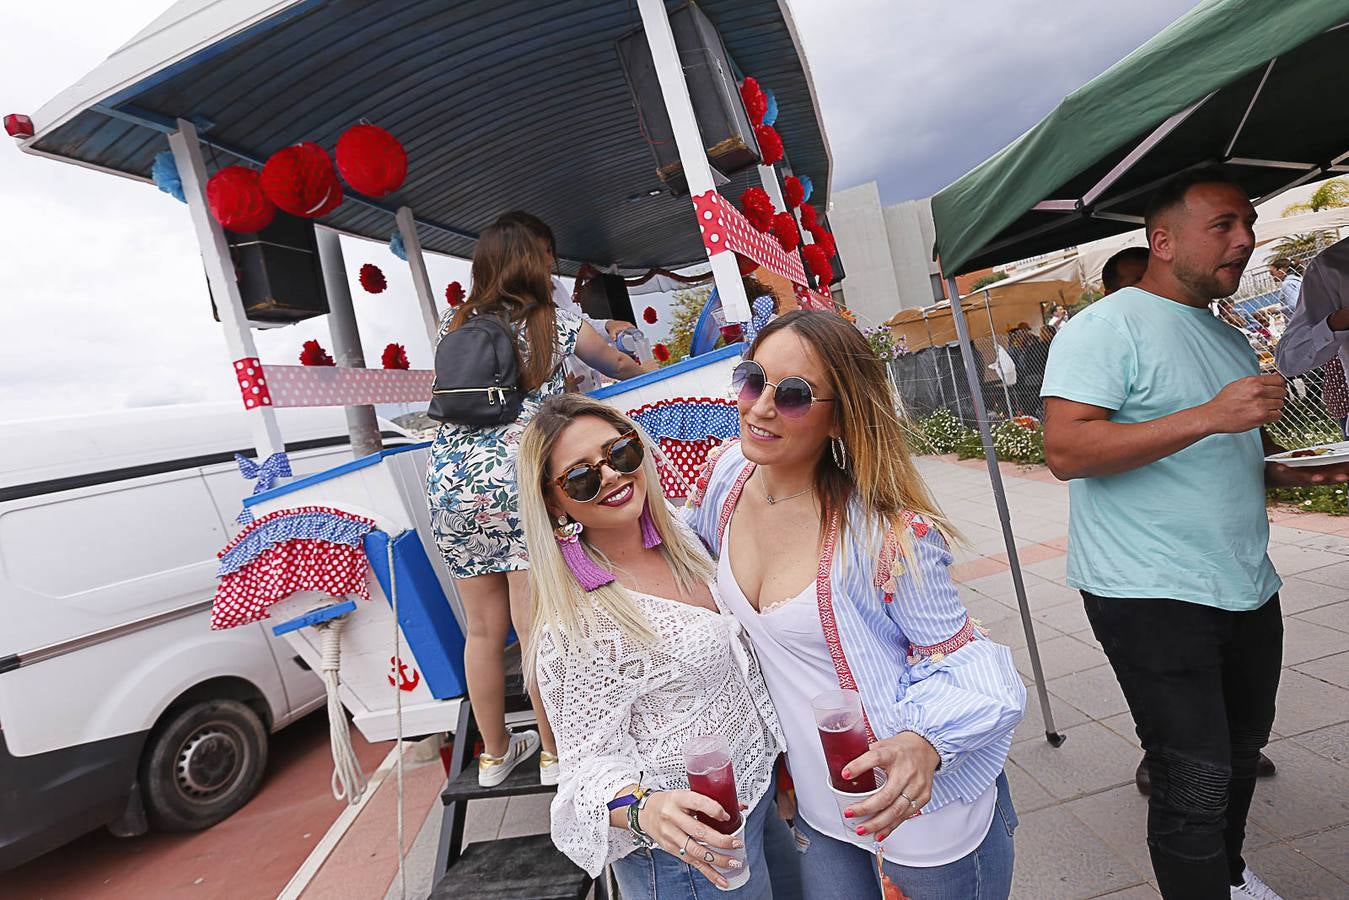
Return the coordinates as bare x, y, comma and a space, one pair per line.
1082, 820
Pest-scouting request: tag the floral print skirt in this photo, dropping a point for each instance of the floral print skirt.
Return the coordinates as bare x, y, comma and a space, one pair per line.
474, 502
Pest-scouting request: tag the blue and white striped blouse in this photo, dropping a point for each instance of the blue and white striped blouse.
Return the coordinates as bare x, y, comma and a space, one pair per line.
901, 634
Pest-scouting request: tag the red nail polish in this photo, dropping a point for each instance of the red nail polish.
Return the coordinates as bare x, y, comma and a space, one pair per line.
847, 774
847, 814
861, 832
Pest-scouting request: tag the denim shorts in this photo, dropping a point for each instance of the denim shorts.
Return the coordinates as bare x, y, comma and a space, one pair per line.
832, 869
653, 874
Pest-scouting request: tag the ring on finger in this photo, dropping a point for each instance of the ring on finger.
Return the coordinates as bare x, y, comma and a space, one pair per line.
685, 849
907, 798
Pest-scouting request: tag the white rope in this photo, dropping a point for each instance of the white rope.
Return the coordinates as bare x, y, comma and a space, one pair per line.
349, 781
398, 717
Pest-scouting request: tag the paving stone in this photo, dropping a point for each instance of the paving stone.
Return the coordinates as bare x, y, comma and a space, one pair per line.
983, 607
1060, 656
1119, 817
1069, 618
1306, 640
1123, 725
1299, 595
1331, 742
1305, 703
1011, 631
1334, 669
1028, 794
1137, 892
1056, 570
1334, 575
1058, 858
1291, 560
1336, 615
527, 814
1032, 724
1329, 849
1309, 793
1092, 759
1095, 692
1293, 875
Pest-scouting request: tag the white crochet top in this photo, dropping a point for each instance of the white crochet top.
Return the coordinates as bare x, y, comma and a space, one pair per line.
623, 710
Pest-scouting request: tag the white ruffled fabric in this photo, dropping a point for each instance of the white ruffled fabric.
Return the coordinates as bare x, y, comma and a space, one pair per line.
623, 711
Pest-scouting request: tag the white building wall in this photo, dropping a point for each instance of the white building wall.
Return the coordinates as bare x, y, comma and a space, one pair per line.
912, 234
858, 223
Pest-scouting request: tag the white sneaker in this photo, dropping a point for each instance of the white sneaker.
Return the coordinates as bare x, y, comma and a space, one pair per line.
492, 770
549, 770
1252, 888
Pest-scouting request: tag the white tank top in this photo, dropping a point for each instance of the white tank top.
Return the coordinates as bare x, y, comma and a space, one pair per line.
794, 656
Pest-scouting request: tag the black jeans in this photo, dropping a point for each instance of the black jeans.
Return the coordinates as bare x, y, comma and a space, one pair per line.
1200, 683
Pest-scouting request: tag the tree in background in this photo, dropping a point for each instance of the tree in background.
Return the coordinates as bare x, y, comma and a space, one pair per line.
985, 281
1330, 195
1297, 246
684, 312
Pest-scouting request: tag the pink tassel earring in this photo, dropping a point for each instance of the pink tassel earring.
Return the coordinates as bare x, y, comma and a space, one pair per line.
650, 536
589, 575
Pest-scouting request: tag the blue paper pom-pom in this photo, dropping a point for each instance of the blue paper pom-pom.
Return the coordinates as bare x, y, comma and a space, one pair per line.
164, 173
771, 115
807, 185
396, 246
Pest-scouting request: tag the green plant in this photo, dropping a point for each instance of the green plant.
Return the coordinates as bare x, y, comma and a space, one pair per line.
986, 280
1329, 195
940, 432
1297, 246
684, 312
1290, 434
1332, 499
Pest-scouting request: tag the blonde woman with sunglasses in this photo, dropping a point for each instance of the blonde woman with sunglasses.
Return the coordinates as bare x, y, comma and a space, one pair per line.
834, 558
634, 658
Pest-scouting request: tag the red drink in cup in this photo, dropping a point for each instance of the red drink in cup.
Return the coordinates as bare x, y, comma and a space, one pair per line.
838, 717
708, 763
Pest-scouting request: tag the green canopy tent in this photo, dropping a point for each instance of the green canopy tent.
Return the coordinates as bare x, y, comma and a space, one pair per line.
1253, 87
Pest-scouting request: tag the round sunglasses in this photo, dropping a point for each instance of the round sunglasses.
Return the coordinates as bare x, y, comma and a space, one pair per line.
792, 395
623, 454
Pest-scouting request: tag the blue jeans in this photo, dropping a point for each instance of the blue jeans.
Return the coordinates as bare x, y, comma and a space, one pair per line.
653, 874
833, 869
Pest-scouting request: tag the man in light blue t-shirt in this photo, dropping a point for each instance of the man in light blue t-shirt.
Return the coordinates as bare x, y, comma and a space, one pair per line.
1154, 409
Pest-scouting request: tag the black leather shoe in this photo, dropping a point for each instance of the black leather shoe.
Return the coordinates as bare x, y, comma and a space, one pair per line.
1264, 768
1143, 778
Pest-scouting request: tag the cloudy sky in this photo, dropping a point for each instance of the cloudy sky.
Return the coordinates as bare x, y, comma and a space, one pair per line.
103, 303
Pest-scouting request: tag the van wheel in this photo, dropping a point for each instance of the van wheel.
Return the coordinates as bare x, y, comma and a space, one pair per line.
203, 763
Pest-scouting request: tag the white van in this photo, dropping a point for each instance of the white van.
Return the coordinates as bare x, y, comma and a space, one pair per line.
118, 705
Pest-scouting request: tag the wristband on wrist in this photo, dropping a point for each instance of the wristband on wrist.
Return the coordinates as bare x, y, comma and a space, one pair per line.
635, 825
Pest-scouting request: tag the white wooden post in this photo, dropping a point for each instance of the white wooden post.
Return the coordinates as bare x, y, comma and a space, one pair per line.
215, 254
697, 171
421, 280
362, 423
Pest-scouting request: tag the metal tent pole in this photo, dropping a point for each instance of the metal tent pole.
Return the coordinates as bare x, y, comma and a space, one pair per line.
362, 423
692, 156
955, 386
421, 281
215, 253
1004, 514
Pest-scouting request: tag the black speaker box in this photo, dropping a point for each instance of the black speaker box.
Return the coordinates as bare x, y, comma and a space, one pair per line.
280, 278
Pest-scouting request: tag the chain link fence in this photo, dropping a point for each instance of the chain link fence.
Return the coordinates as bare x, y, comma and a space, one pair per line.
1011, 362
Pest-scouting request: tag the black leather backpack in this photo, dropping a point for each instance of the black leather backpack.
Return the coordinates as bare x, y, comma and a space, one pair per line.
477, 375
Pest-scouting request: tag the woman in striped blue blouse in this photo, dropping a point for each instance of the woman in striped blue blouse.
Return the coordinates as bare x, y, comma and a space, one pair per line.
835, 558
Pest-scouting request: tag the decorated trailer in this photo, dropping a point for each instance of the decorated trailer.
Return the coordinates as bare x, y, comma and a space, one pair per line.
648, 138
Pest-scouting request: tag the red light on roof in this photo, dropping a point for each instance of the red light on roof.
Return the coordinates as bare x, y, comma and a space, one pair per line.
18, 125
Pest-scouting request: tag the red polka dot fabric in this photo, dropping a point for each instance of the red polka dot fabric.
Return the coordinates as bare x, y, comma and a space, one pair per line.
252, 385
821, 299
725, 228
298, 565
688, 457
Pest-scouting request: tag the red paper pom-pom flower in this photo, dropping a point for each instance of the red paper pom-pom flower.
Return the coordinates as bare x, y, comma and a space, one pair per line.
371, 160
300, 179
818, 263
649, 315
313, 354
770, 144
755, 100
810, 219
661, 352
372, 279
395, 357
454, 293
745, 264
826, 241
784, 228
793, 191
758, 208
236, 200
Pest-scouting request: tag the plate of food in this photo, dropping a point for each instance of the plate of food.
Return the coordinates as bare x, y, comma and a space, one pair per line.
1318, 455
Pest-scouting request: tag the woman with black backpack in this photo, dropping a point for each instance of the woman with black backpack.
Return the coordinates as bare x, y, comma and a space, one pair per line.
471, 486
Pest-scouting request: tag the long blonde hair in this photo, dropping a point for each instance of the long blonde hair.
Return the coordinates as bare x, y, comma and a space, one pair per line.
880, 473
558, 600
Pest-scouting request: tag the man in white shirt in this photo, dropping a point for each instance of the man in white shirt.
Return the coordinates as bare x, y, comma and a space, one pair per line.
1319, 328
1288, 276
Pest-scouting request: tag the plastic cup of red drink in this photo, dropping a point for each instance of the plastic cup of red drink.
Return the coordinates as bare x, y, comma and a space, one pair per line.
708, 763
843, 735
